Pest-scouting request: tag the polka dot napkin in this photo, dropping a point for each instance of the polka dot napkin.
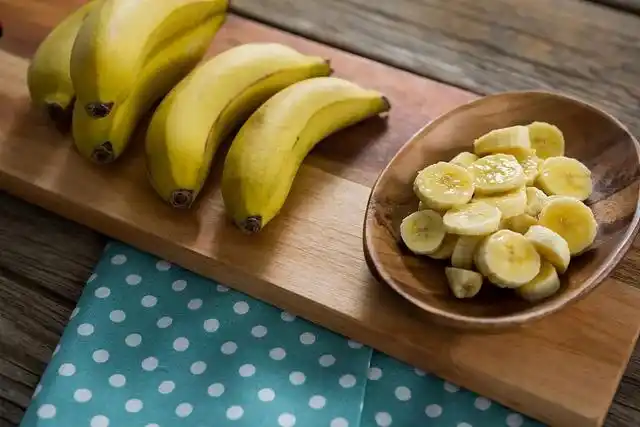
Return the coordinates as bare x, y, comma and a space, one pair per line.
153, 345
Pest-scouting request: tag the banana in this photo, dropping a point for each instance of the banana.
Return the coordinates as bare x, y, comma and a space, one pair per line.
546, 139
535, 200
565, 176
503, 140
472, 219
511, 204
463, 283
199, 113
521, 223
49, 74
545, 284
497, 173
551, 246
507, 259
530, 163
571, 219
446, 248
464, 159
268, 150
443, 185
422, 232
126, 57
464, 250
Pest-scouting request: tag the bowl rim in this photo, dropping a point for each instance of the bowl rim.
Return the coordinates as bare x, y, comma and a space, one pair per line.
517, 319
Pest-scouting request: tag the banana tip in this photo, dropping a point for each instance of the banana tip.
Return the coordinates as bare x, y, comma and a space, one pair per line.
181, 199
103, 153
98, 110
251, 225
387, 103
60, 116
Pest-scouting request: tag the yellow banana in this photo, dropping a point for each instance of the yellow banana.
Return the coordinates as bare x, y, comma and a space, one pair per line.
49, 75
208, 104
267, 152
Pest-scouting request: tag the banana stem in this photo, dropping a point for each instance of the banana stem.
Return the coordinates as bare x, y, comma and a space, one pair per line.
251, 225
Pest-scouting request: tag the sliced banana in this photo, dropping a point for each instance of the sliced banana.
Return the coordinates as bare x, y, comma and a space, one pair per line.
535, 200
473, 219
497, 173
530, 163
443, 185
565, 176
446, 248
511, 204
571, 219
422, 232
521, 223
551, 246
464, 159
462, 256
502, 140
463, 283
507, 259
546, 139
545, 284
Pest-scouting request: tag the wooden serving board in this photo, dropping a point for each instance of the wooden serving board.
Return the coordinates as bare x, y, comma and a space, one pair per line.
563, 370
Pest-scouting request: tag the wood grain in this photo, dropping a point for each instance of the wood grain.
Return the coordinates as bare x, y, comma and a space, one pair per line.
310, 260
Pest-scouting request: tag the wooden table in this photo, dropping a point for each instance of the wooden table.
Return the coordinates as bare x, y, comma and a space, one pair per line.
589, 49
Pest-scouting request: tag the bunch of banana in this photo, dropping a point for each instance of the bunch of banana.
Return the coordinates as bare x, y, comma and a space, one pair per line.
202, 110
513, 208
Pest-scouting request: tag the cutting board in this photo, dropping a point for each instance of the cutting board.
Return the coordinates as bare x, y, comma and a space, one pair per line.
563, 370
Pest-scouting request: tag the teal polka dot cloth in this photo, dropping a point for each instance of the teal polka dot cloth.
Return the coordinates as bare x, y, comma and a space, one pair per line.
153, 345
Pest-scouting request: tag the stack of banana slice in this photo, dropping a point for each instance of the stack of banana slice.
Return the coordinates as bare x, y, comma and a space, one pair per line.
513, 209
111, 62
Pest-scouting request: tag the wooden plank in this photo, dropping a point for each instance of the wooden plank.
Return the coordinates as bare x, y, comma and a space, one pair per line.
632, 6
310, 260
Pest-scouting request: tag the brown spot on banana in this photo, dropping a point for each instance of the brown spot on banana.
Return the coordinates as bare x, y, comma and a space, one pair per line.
99, 110
103, 153
252, 224
181, 199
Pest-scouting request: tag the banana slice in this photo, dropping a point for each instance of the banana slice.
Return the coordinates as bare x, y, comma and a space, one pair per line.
502, 140
443, 185
551, 246
521, 223
546, 139
510, 204
422, 232
464, 159
571, 219
463, 283
565, 176
462, 256
507, 259
530, 163
497, 173
535, 200
473, 219
446, 248
545, 284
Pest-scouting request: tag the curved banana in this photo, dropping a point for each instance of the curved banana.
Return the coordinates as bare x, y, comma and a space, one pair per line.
211, 101
267, 152
49, 74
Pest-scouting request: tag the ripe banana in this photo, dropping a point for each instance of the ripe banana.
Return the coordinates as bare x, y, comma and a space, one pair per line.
201, 111
49, 75
422, 232
464, 159
463, 252
443, 185
530, 163
267, 152
473, 219
511, 204
521, 223
446, 248
497, 173
504, 140
571, 219
565, 176
535, 200
550, 245
546, 139
463, 283
545, 284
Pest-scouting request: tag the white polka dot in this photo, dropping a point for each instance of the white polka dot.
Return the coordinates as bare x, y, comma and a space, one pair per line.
102, 292
419, 372
47, 411
133, 405
259, 331
67, 369
166, 387
463, 424
515, 420
317, 402
354, 344
82, 395
152, 425
215, 390
433, 411
286, 420
229, 348
100, 356
374, 373
118, 259
266, 395
179, 285
117, 380
133, 340
117, 316
277, 353
211, 325
197, 368
326, 360
85, 329
74, 313
247, 370
92, 277
347, 381
339, 422
383, 419
37, 390
241, 307
164, 322
133, 279
287, 317
235, 412
297, 378
181, 344
148, 301
221, 288
163, 265
482, 403
451, 388
403, 393
56, 350
194, 304
183, 410
307, 338
99, 421
150, 364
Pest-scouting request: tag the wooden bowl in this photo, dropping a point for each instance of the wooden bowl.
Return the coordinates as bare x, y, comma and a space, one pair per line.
592, 136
